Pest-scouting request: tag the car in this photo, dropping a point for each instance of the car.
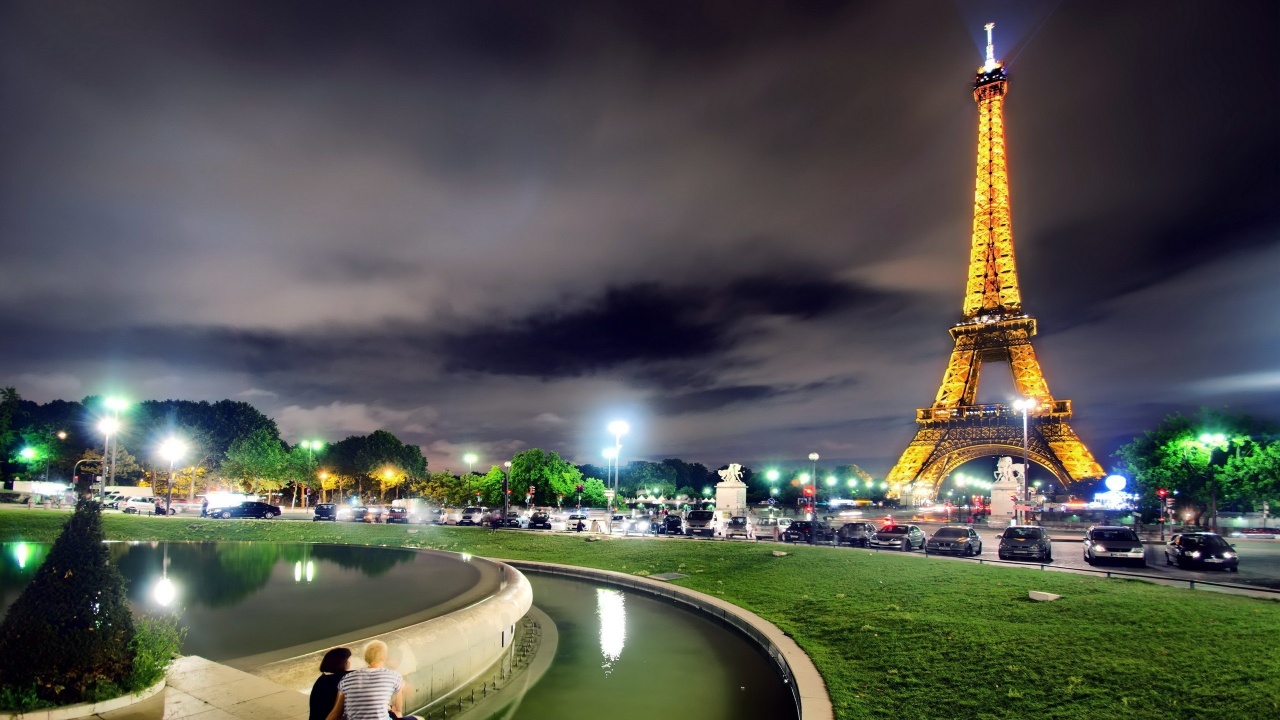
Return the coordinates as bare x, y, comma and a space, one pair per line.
701, 522
325, 511
513, 520
856, 534
1025, 541
803, 530
577, 522
352, 513
954, 540
1256, 533
540, 520
902, 537
772, 527
141, 506
472, 516
247, 509
396, 516
740, 526
375, 514
1202, 549
1113, 542
672, 524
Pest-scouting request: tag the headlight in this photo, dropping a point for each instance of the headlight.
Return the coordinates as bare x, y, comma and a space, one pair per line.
1098, 547
1195, 553
1228, 555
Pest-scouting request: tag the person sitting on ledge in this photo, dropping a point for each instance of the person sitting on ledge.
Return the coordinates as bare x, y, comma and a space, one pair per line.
372, 693
324, 693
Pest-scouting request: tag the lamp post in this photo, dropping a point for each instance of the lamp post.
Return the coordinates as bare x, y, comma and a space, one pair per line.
611, 455
617, 428
108, 427
115, 405
470, 460
813, 509
506, 490
171, 450
312, 447
1024, 405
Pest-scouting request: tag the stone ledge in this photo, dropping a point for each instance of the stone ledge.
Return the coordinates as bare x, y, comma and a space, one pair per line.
79, 710
807, 685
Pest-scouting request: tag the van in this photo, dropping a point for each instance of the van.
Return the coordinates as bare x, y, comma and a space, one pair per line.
701, 522
772, 527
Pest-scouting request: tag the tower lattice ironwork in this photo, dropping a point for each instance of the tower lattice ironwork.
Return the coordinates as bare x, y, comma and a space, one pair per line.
955, 429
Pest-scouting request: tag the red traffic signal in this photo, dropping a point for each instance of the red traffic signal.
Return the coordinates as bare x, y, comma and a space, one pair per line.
1162, 492
808, 492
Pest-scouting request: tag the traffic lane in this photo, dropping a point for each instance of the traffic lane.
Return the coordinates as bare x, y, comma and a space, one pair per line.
1259, 562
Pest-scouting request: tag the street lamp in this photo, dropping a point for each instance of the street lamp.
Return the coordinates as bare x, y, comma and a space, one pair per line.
506, 490
115, 405
1024, 405
611, 455
171, 450
108, 427
617, 428
312, 446
470, 459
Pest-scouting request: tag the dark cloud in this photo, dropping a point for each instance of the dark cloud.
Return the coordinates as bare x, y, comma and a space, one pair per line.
745, 221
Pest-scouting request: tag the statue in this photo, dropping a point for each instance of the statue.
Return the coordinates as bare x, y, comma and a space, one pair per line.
733, 473
1009, 471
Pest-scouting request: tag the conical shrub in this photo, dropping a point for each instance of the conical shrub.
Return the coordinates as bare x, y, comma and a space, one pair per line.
67, 637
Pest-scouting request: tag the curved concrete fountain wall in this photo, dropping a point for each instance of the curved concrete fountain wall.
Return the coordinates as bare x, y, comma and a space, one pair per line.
435, 656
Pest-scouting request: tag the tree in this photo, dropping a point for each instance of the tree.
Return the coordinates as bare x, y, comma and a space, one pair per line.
258, 461
550, 475
593, 493
640, 477
68, 636
1203, 462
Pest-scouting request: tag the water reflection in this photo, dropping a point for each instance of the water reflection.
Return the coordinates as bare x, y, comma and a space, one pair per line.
239, 599
611, 608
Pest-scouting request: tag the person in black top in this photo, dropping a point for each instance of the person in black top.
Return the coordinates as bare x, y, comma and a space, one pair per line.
324, 693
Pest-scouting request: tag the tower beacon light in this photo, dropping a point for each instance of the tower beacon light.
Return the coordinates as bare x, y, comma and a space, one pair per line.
991, 63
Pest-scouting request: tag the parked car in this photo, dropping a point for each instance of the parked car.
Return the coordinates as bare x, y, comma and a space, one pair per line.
800, 531
672, 524
141, 506
247, 509
1202, 549
1025, 541
855, 533
900, 537
765, 527
513, 520
701, 522
472, 516
740, 526
352, 513
577, 522
1107, 542
953, 540
540, 520
396, 516
325, 511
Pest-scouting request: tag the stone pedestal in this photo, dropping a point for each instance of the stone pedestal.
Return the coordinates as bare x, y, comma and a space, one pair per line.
731, 497
1002, 505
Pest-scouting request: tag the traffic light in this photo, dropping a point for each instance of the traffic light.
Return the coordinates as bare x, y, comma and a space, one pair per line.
1162, 492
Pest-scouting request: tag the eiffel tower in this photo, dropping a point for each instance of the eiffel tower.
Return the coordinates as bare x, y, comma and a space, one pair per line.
955, 430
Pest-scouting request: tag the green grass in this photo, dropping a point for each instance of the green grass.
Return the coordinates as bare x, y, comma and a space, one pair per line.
896, 637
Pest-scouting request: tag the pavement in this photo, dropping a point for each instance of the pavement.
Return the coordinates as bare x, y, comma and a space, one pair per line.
199, 689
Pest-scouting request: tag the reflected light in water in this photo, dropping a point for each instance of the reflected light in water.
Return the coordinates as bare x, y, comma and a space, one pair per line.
305, 571
165, 591
20, 553
611, 607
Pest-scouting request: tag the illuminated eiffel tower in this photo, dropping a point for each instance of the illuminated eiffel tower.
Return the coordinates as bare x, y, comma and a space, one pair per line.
955, 430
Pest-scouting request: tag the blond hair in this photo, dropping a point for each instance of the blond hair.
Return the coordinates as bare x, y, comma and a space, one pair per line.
375, 652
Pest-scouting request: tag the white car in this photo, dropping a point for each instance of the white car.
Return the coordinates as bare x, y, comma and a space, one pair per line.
140, 506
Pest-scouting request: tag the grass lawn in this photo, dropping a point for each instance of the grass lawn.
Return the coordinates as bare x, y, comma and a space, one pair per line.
895, 637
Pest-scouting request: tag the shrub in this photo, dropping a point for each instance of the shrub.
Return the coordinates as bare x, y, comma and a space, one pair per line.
70, 636
155, 645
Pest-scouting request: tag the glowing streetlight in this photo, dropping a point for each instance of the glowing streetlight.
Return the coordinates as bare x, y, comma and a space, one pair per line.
171, 450
107, 426
617, 428
1023, 405
312, 447
470, 459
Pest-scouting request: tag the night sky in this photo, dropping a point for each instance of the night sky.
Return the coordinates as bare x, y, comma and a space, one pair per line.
740, 225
